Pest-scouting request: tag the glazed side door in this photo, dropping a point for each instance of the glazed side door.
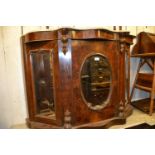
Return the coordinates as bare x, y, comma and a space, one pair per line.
41, 65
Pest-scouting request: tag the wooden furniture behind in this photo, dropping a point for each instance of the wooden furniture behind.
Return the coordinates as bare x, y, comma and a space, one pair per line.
76, 78
145, 50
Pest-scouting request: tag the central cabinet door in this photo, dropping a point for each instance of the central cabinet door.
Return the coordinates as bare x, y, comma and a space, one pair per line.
95, 80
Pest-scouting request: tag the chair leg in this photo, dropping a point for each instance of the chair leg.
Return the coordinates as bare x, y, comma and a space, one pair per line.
152, 91
151, 103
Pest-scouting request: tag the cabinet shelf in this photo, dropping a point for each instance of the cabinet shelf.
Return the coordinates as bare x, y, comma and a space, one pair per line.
85, 76
101, 84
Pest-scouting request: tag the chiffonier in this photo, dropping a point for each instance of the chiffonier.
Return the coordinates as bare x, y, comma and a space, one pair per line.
76, 78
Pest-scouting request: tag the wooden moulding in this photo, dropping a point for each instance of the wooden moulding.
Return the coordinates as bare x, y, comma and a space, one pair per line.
102, 124
78, 34
97, 125
40, 125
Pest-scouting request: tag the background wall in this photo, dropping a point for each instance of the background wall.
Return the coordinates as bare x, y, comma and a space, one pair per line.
13, 108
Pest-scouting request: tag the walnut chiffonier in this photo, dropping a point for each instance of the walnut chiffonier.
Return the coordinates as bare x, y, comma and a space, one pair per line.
76, 78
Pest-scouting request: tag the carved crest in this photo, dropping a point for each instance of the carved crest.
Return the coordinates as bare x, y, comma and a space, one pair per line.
64, 44
122, 48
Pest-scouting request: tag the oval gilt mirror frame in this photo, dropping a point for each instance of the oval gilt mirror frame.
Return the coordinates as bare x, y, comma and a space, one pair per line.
96, 78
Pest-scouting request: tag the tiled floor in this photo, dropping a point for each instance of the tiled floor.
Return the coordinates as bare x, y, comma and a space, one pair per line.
136, 118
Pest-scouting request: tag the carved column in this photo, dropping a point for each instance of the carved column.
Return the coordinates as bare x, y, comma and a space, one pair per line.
121, 110
125, 51
67, 120
65, 63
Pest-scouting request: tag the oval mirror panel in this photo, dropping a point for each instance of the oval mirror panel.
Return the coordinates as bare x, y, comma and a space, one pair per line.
96, 81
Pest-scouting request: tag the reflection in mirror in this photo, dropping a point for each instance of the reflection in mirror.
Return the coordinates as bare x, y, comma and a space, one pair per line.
43, 78
96, 81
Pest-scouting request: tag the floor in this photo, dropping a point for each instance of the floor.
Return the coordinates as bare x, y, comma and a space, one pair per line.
136, 118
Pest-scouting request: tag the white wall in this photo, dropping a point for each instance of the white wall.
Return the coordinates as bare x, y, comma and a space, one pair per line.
13, 109
12, 99
3, 87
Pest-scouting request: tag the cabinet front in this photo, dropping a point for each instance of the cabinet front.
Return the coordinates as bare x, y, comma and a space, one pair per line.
75, 78
95, 80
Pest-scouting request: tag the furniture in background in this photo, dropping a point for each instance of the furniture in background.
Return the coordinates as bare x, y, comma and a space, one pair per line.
76, 78
145, 50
